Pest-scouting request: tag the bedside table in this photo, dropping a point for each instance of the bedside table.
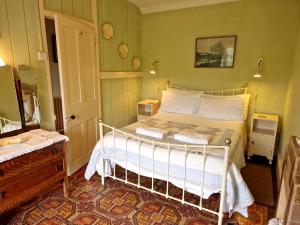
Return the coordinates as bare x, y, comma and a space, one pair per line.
263, 135
147, 108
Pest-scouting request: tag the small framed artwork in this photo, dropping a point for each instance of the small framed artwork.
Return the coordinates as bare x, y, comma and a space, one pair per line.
215, 52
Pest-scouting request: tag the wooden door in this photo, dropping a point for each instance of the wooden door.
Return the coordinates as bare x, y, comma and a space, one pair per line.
76, 47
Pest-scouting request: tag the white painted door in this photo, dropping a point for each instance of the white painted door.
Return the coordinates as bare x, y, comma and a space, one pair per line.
76, 47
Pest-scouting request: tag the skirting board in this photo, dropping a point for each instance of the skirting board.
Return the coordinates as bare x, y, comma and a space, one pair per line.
116, 75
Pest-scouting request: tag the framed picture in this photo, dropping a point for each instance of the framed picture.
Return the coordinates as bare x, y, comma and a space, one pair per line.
215, 52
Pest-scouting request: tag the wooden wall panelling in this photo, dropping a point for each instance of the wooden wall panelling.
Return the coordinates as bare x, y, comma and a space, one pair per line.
76, 8
119, 96
106, 101
55, 5
132, 34
87, 10
118, 104
46, 4
18, 32
119, 21
126, 101
134, 95
67, 7
5, 43
125, 33
139, 37
105, 46
100, 42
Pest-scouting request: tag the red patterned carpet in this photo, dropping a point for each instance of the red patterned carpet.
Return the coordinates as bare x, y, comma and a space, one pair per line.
117, 203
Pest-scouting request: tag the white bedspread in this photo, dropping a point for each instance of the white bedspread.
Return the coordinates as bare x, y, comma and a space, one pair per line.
238, 197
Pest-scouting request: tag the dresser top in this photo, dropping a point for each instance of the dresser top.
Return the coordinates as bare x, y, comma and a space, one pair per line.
12, 147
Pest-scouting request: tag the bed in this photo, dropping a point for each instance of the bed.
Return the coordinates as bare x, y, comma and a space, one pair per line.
201, 169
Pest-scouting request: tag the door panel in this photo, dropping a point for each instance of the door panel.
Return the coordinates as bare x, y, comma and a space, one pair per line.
86, 48
72, 76
79, 85
77, 144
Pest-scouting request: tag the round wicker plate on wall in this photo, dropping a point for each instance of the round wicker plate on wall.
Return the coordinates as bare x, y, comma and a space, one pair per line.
136, 63
123, 50
107, 31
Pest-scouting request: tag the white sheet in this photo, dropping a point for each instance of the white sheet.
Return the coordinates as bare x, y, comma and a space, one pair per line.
238, 197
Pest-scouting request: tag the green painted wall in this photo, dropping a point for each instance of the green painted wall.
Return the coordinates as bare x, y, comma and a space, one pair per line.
20, 40
291, 123
265, 28
9, 107
119, 96
76, 8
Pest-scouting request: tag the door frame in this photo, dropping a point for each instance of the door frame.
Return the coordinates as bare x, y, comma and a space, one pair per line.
47, 14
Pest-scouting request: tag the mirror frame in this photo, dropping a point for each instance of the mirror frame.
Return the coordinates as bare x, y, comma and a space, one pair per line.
24, 128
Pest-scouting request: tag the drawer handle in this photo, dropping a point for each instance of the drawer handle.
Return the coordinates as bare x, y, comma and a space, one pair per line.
55, 151
2, 195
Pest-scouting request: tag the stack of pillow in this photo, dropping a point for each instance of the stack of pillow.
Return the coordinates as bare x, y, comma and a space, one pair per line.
230, 107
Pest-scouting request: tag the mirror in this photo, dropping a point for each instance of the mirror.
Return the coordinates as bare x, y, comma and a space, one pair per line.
29, 94
10, 118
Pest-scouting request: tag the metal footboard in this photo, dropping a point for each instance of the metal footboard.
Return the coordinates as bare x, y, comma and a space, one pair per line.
205, 150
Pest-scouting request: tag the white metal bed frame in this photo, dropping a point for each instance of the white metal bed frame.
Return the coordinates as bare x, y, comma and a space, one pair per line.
200, 149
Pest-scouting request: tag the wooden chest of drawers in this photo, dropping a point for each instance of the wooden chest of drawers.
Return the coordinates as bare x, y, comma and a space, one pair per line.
291, 178
26, 176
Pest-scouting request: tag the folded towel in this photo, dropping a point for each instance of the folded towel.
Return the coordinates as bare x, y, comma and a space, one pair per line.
192, 138
151, 132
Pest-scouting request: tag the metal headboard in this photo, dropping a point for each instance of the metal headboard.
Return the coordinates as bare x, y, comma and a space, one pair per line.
222, 92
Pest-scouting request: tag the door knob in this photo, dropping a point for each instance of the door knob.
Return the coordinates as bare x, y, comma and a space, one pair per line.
72, 117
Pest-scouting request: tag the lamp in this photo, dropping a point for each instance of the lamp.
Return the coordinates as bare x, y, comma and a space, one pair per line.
153, 71
2, 63
259, 64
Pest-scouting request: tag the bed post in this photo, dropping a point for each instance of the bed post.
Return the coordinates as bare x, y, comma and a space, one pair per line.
224, 179
101, 150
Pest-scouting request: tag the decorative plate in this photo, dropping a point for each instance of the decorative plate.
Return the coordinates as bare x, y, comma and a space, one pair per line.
136, 63
107, 31
123, 50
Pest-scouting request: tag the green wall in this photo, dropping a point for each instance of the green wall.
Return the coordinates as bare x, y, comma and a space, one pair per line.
119, 96
76, 8
9, 108
265, 28
20, 40
291, 123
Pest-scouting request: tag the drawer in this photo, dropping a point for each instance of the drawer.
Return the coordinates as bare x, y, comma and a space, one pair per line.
18, 166
29, 180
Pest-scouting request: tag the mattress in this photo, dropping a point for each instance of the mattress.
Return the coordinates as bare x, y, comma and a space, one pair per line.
238, 197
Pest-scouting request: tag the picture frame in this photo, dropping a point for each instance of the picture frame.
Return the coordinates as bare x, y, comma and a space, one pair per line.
215, 52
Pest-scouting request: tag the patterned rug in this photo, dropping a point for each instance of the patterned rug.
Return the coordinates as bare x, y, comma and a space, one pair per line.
117, 203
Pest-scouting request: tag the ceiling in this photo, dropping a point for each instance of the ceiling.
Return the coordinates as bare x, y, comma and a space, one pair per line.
152, 6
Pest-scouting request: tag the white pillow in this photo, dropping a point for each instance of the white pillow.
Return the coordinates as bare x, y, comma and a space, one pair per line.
174, 102
184, 91
224, 107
